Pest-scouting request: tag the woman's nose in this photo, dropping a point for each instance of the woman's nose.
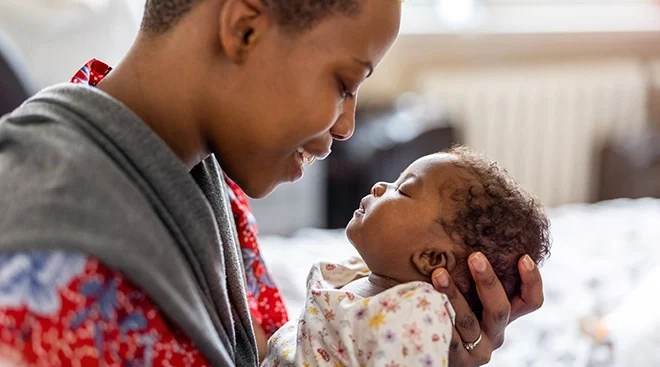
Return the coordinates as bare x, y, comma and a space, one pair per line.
379, 189
344, 128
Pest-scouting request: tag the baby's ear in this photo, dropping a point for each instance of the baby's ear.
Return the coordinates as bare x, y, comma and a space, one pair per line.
428, 260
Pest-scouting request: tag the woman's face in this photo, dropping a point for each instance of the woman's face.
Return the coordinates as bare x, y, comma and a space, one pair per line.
299, 91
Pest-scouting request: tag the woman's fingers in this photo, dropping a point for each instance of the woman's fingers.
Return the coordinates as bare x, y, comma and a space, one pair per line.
498, 311
459, 356
497, 308
467, 324
531, 290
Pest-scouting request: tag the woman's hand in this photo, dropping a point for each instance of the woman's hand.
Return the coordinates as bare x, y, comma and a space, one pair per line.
497, 314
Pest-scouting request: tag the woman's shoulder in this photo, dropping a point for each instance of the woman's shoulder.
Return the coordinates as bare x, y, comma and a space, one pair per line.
52, 169
59, 189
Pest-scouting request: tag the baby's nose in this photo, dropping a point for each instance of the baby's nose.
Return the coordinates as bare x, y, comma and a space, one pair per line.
379, 189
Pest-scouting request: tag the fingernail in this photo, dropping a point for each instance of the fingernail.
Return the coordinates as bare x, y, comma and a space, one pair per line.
442, 278
528, 263
478, 262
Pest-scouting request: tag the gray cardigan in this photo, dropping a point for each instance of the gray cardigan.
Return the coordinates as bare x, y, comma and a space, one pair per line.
81, 172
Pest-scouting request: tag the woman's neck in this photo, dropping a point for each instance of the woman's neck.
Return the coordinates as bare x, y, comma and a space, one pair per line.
147, 89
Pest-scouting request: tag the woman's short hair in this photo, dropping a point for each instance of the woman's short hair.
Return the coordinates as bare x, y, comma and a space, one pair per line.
297, 15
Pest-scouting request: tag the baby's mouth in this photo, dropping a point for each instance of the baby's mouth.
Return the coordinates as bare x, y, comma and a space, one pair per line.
361, 208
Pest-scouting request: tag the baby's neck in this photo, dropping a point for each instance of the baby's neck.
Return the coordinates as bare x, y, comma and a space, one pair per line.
382, 281
371, 285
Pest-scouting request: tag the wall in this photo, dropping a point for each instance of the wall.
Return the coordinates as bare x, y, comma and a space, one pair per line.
57, 37
543, 105
413, 55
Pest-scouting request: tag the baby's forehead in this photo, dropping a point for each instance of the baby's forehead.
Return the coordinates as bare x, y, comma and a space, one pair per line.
437, 167
441, 172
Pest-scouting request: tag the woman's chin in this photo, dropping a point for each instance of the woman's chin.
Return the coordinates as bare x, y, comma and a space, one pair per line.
262, 186
259, 190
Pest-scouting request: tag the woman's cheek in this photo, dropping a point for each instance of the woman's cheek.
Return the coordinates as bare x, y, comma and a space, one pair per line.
329, 109
328, 117
311, 122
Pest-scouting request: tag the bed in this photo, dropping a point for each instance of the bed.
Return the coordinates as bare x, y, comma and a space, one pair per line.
600, 252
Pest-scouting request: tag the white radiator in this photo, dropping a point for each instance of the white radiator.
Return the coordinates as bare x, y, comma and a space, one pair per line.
545, 123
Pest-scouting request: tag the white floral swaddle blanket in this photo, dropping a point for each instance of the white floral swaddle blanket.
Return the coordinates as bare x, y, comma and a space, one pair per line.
407, 325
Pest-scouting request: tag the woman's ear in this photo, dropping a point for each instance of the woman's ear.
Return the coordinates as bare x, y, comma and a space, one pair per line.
242, 23
426, 261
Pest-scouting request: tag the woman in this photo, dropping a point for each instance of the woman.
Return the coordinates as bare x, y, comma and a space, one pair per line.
117, 241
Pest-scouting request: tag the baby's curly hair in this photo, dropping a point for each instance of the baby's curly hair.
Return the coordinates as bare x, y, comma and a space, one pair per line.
497, 217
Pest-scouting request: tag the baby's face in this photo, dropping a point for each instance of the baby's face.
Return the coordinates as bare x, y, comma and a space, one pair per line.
399, 219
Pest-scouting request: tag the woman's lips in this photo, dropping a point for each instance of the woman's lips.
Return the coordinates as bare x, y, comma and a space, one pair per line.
306, 156
310, 157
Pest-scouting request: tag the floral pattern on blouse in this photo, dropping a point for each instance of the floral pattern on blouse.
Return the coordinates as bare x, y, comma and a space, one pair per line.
407, 325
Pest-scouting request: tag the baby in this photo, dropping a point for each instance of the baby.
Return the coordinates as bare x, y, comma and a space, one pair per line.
442, 208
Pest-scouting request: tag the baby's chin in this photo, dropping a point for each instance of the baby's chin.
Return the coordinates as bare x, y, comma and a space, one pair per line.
357, 222
354, 233
351, 231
